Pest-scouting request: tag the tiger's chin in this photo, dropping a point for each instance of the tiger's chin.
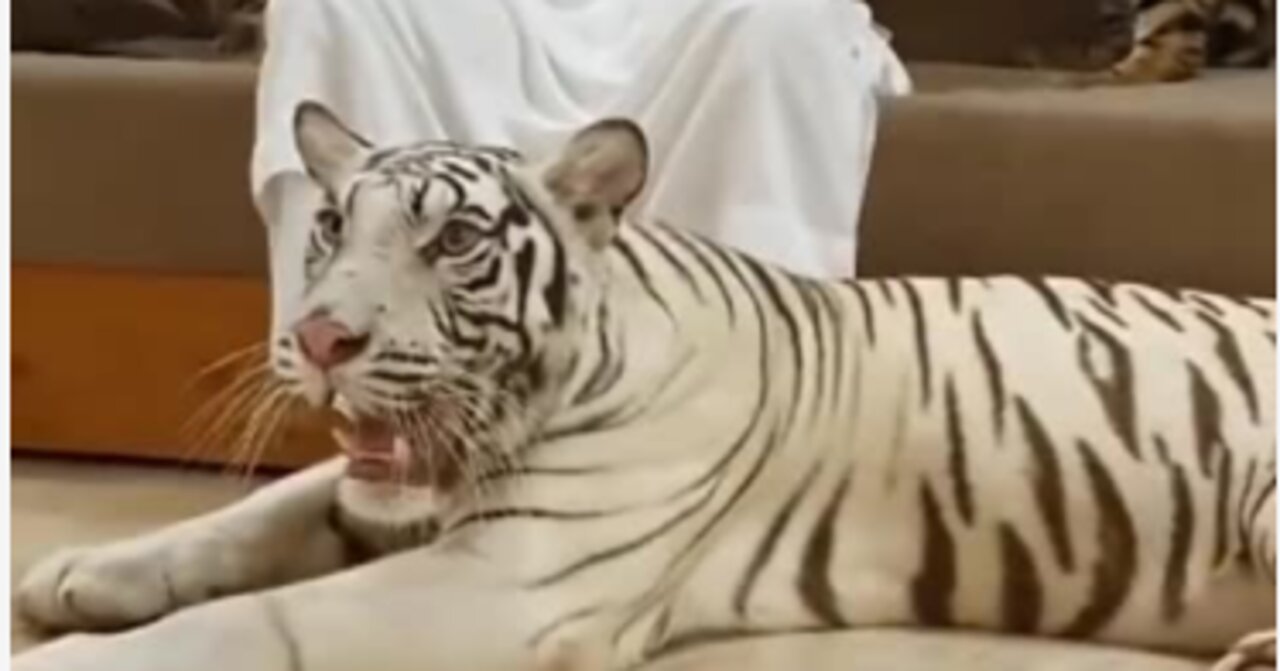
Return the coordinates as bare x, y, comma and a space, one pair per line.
391, 496
385, 517
409, 470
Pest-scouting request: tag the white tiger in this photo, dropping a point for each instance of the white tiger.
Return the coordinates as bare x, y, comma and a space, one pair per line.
579, 442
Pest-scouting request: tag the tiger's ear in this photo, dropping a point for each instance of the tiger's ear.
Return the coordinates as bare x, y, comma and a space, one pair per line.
330, 151
600, 171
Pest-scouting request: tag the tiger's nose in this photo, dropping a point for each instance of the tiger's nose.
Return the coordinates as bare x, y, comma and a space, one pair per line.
327, 342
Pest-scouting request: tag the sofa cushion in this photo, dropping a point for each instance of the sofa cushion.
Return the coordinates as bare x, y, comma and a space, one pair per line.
989, 170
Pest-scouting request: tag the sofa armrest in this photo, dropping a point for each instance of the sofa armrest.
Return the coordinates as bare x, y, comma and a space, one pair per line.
134, 164
1171, 185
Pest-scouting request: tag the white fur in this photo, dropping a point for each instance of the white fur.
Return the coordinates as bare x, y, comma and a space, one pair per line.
664, 539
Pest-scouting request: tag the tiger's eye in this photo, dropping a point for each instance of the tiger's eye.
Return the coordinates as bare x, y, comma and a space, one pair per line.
330, 222
458, 237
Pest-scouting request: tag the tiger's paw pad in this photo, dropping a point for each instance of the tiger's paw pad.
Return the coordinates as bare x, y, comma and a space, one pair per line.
87, 589
1255, 652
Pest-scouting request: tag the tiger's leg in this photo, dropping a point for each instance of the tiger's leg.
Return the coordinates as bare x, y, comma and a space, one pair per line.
279, 534
1257, 650
419, 610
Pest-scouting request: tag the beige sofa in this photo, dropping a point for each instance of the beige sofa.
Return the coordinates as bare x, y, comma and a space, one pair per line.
132, 224
142, 166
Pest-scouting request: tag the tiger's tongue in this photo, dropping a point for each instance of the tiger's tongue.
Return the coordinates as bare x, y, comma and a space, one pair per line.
370, 448
373, 436
376, 453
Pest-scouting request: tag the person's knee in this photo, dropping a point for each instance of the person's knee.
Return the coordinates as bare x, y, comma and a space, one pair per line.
771, 25
790, 18
285, 17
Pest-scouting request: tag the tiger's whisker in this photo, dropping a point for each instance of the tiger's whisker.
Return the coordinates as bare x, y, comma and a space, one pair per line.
245, 444
280, 406
209, 409
228, 415
228, 360
461, 459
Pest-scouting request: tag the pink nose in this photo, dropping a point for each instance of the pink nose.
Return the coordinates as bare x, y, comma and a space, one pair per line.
327, 342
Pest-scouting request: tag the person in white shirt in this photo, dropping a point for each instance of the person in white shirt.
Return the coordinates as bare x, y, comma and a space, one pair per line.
761, 113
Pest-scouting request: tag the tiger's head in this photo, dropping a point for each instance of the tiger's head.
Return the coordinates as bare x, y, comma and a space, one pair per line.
447, 289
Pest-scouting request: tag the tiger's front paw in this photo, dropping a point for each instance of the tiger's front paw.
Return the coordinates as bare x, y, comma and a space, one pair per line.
234, 634
87, 589
1255, 652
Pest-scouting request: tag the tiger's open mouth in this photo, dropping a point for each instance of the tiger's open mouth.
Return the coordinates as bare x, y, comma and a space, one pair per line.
381, 451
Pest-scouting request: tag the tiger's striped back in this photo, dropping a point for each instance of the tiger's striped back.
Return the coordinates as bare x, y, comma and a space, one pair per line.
1050, 456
